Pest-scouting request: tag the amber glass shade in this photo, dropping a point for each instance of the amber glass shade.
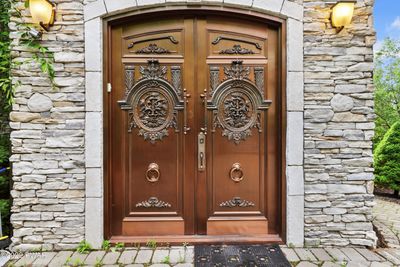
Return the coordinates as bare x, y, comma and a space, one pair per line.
42, 11
342, 13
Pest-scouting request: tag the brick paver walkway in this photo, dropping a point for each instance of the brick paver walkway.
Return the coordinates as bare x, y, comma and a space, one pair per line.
183, 257
387, 220
387, 214
340, 257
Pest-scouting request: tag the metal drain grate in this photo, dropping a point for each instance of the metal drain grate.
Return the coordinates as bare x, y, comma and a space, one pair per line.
239, 256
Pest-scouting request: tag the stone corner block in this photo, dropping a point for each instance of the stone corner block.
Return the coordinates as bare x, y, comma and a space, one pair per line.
94, 221
295, 91
294, 138
94, 9
295, 180
292, 10
94, 139
94, 182
270, 5
120, 5
295, 221
94, 91
93, 45
295, 46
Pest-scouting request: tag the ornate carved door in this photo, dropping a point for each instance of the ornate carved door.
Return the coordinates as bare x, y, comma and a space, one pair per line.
193, 128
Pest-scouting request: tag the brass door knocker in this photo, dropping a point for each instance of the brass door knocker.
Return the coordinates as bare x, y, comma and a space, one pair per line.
236, 173
153, 173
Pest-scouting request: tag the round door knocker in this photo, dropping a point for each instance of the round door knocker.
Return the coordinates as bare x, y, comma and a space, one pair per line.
153, 173
236, 173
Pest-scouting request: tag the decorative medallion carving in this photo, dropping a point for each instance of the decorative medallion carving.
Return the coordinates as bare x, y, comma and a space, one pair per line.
152, 103
153, 70
214, 79
129, 78
237, 50
171, 38
259, 78
153, 202
153, 49
176, 74
237, 115
237, 104
237, 71
237, 202
153, 115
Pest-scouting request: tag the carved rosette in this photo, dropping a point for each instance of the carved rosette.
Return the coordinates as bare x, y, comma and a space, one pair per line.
237, 202
153, 115
153, 202
237, 115
152, 103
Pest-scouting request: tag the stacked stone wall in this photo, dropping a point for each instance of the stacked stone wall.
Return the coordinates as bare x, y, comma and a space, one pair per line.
49, 126
47, 136
338, 127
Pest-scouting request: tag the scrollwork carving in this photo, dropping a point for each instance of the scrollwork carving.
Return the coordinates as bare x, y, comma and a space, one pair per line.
176, 74
214, 79
153, 49
129, 78
153, 70
153, 202
237, 202
237, 71
259, 78
237, 50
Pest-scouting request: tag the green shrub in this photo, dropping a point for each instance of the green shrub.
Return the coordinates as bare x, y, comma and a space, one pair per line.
387, 159
5, 215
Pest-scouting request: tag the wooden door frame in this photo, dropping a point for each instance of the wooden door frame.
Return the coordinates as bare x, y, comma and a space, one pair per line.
180, 10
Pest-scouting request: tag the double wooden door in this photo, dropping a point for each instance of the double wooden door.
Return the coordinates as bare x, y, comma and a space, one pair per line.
193, 128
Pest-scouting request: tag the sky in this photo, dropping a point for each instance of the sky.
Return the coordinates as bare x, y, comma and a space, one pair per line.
387, 20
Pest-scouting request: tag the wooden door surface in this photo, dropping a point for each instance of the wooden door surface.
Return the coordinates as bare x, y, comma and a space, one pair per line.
193, 128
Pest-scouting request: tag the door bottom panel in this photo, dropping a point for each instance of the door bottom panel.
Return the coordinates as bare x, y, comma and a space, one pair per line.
150, 226
200, 239
235, 226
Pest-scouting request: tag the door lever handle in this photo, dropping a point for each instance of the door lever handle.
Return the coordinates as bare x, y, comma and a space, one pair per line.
204, 97
201, 150
186, 96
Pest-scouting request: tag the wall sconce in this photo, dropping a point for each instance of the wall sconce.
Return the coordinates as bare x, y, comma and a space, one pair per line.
42, 12
342, 13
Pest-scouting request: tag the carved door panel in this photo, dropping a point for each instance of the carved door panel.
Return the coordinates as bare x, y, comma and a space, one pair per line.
181, 160
149, 125
238, 127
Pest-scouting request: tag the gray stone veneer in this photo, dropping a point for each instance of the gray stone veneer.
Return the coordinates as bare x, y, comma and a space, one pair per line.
57, 134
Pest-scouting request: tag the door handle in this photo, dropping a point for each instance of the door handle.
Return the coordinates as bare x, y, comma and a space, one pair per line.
204, 97
186, 96
201, 148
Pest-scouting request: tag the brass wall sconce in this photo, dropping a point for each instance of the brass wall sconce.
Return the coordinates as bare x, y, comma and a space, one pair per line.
342, 13
42, 12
